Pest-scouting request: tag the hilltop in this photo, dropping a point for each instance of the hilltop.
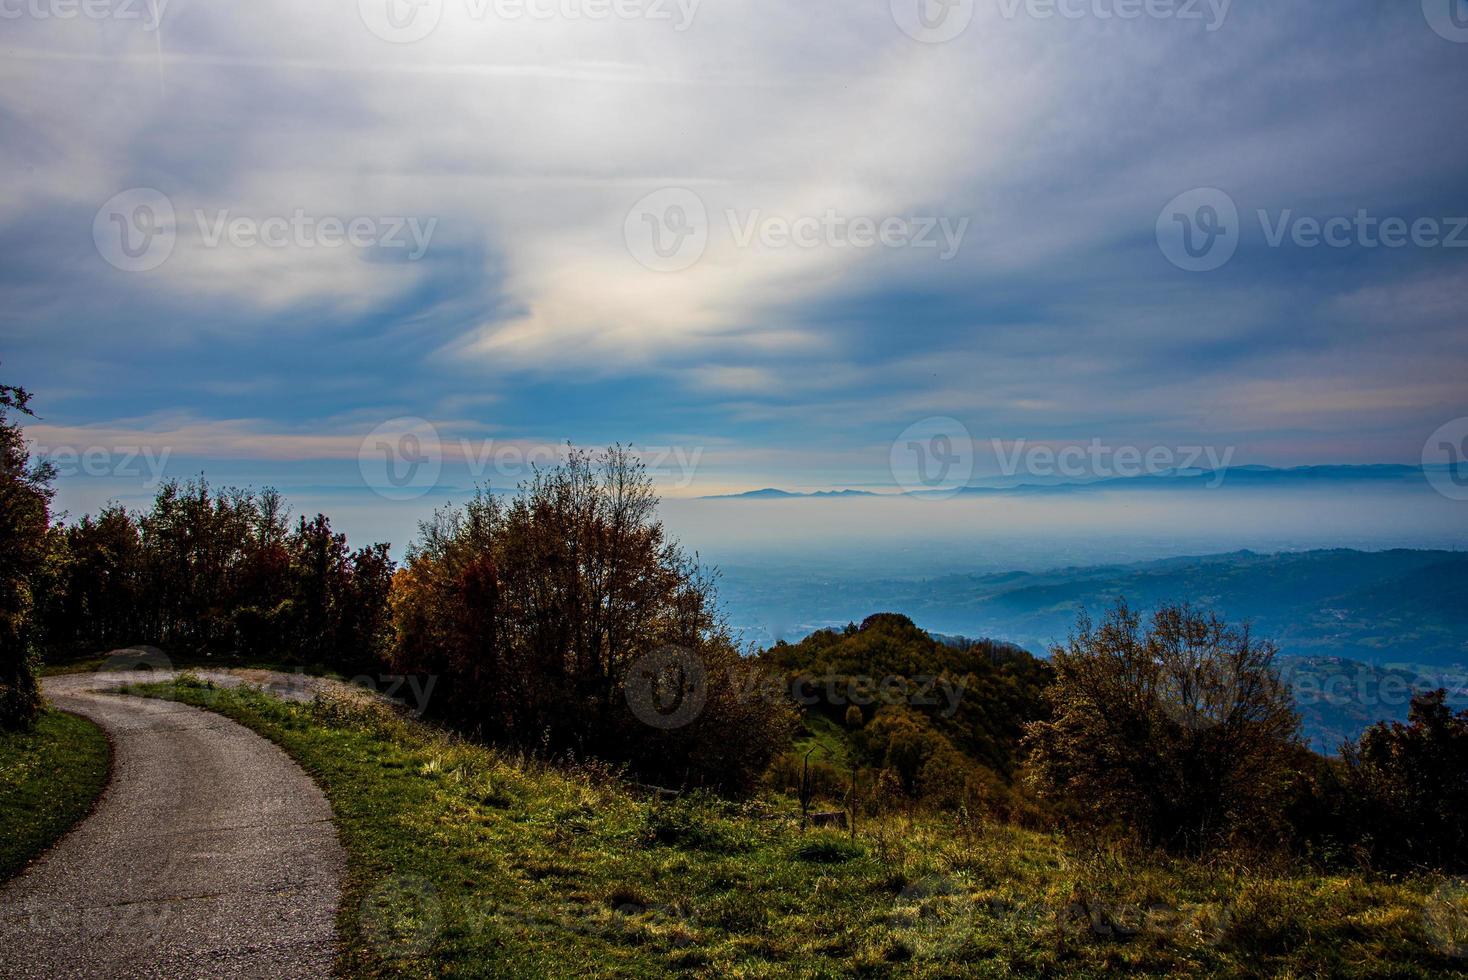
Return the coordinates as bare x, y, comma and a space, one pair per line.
946, 717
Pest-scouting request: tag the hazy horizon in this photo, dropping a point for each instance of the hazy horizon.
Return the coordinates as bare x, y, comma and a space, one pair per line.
915, 535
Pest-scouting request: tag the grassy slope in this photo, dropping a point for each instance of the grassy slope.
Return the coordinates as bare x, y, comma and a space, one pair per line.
49, 779
831, 744
467, 862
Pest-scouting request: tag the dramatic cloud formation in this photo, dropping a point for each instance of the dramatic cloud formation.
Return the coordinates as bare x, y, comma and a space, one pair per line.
780, 233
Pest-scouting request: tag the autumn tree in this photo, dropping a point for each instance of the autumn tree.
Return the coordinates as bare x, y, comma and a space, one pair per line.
1181, 732
565, 619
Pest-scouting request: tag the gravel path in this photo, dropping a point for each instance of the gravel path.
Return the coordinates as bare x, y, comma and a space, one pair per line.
210, 854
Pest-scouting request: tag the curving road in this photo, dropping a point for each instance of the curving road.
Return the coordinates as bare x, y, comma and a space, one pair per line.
210, 854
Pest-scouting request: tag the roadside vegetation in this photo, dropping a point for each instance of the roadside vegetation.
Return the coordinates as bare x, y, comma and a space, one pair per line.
49, 778
25, 517
470, 861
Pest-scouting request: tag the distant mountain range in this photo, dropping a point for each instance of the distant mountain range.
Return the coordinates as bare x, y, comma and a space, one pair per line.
1237, 477
770, 493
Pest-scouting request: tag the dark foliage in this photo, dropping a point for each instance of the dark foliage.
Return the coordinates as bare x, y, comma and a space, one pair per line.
25, 502
1182, 735
1407, 788
939, 715
219, 572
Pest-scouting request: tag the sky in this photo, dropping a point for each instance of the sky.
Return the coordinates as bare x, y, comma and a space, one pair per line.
769, 244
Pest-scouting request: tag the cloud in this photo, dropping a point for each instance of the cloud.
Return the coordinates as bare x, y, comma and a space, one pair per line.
527, 142
214, 438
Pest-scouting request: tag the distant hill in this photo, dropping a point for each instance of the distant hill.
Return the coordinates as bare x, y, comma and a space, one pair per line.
1193, 478
1338, 699
1399, 607
1388, 607
1233, 477
926, 709
770, 493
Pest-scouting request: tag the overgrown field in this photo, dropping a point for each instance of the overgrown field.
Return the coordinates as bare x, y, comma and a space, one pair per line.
49, 779
466, 861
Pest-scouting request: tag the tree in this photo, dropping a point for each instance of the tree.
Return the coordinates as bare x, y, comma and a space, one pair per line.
1182, 732
98, 599
25, 520
1407, 787
222, 572
565, 619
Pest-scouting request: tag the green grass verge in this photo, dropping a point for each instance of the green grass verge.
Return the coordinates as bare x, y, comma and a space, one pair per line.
49, 779
465, 861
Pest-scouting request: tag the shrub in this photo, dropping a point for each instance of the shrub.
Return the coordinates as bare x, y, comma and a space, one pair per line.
904, 694
1183, 732
690, 825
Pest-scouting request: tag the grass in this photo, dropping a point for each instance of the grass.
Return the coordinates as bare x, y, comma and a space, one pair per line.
830, 742
49, 779
465, 861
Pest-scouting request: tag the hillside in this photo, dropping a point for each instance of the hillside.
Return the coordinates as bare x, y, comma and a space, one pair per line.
1376, 607
888, 694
